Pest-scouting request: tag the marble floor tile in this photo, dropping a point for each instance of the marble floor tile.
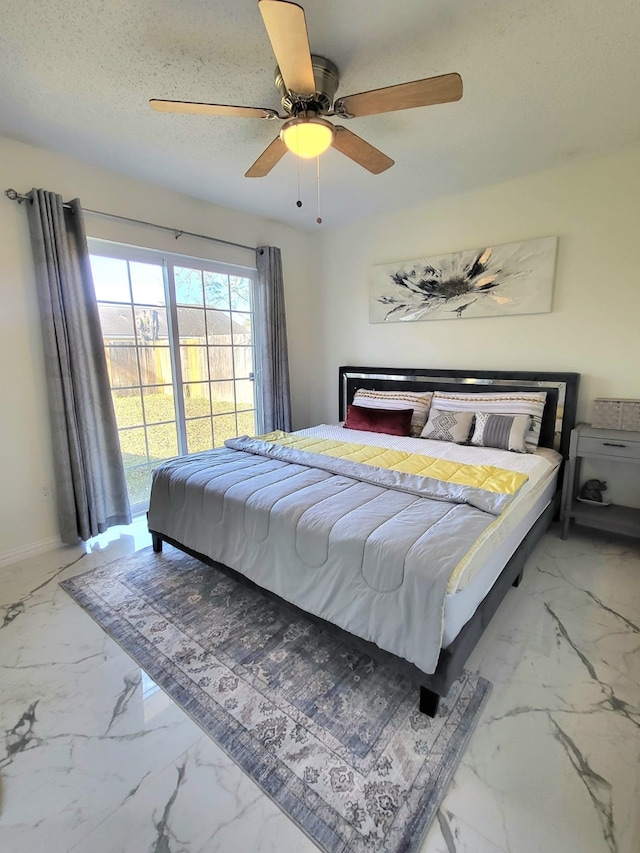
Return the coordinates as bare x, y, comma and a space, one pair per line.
95, 757
202, 803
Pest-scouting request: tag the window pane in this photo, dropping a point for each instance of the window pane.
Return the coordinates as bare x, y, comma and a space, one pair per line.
244, 394
220, 363
196, 400
247, 423
242, 325
215, 322
222, 398
133, 446
151, 326
163, 441
128, 408
122, 365
218, 327
195, 364
159, 404
147, 283
240, 293
155, 365
110, 279
216, 290
188, 286
191, 326
243, 361
138, 484
116, 322
224, 427
199, 435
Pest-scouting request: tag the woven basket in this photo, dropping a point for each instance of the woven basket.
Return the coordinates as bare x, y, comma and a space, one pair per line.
607, 413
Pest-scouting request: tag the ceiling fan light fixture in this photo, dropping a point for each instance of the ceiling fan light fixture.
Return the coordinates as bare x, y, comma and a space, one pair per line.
307, 137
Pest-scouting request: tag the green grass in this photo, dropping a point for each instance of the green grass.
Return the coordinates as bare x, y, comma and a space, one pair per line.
162, 437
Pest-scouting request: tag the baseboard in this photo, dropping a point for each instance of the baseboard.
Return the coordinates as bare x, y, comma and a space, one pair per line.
26, 551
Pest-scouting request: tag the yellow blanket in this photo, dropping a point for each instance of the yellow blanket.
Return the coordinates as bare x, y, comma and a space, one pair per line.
488, 477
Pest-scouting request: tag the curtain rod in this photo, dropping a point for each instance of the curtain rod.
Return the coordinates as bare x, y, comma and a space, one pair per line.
177, 232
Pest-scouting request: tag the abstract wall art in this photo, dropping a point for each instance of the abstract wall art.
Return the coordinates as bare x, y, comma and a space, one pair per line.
492, 281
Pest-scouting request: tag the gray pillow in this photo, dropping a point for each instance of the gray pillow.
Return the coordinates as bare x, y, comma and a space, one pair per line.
506, 432
448, 426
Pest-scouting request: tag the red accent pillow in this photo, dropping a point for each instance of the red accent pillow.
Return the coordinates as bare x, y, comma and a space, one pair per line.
391, 421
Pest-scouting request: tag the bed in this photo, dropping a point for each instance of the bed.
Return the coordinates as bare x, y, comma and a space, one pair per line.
403, 546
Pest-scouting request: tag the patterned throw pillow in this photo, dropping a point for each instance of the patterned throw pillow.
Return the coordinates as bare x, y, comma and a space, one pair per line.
419, 401
448, 426
525, 403
506, 432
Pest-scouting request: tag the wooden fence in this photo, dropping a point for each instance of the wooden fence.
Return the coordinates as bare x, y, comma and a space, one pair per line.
199, 364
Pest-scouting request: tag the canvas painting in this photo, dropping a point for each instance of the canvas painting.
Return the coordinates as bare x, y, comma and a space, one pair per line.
516, 278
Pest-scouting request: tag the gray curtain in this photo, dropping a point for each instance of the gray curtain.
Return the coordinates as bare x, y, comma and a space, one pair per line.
91, 489
273, 361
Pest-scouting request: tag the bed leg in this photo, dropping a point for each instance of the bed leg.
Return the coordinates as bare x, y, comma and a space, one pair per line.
156, 543
429, 702
518, 580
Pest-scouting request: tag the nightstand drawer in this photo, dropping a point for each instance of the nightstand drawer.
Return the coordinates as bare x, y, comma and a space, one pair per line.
619, 448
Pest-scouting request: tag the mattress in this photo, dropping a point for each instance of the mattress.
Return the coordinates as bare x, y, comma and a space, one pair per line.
459, 606
489, 556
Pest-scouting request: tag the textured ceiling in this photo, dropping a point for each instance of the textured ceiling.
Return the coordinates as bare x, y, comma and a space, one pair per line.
545, 81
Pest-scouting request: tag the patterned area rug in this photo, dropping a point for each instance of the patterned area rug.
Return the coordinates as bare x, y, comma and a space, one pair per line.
333, 737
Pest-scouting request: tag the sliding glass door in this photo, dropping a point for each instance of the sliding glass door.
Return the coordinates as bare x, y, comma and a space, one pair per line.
179, 339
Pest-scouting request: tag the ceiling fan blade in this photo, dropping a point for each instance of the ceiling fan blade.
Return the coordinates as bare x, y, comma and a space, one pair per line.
361, 152
405, 96
192, 108
287, 30
271, 155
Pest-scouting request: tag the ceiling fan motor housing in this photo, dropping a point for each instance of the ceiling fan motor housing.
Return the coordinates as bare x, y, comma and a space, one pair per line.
326, 78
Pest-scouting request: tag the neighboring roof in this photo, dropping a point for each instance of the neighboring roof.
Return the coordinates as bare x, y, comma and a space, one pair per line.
545, 82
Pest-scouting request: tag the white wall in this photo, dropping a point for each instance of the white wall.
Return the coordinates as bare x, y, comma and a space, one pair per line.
594, 326
26, 519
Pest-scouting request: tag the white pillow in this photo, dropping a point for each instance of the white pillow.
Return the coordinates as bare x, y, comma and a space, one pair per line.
526, 403
419, 401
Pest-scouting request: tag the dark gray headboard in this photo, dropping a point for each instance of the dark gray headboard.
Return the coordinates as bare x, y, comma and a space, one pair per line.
562, 391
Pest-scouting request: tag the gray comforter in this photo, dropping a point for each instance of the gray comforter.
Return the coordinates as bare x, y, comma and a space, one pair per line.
367, 549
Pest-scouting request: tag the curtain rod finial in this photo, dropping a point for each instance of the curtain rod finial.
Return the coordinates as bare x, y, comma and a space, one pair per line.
12, 195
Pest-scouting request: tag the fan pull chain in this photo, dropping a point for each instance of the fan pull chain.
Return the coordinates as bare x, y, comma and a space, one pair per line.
299, 202
319, 218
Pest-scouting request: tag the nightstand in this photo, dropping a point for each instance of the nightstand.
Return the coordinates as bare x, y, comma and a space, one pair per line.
616, 447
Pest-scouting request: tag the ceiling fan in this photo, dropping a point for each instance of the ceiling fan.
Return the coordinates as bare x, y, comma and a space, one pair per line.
307, 84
